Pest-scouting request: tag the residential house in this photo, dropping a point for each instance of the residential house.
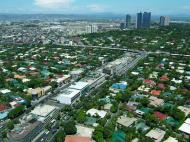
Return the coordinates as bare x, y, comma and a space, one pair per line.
95, 112
155, 92
156, 134
36, 93
160, 115
156, 101
184, 109
185, 128
171, 139
125, 122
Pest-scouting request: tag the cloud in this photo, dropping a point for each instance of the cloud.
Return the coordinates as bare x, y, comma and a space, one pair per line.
52, 4
96, 8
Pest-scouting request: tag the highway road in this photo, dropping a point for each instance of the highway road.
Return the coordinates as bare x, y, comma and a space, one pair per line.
128, 49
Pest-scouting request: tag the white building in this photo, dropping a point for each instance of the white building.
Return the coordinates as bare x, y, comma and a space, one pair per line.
94, 29
171, 139
63, 80
45, 113
88, 29
80, 86
156, 134
126, 122
68, 96
185, 128
164, 21
94, 80
72, 93
91, 29
76, 73
118, 66
95, 112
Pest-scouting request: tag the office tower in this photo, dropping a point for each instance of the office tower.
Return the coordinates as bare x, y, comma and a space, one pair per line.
164, 21
91, 29
146, 20
139, 20
94, 29
122, 26
88, 29
128, 21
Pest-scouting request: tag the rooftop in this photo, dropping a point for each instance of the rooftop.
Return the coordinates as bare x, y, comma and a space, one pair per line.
2, 107
77, 139
70, 93
185, 127
160, 115
118, 136
126, 121
156, 134
79, 85
184, 109
94, 112
84, 131
155, 92
171, 139
43, 110
156, 101
3, 115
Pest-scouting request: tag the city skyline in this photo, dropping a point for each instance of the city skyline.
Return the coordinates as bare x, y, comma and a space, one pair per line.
95, 6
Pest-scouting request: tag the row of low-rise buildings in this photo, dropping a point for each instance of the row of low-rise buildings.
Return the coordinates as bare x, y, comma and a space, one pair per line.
120, 66
77, 89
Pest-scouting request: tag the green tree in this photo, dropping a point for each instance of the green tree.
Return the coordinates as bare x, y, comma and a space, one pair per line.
70, 127
107, 132
98, 134
16, 112
4, 134
144, 102
80, 116
114, 108
60, 136
10, 125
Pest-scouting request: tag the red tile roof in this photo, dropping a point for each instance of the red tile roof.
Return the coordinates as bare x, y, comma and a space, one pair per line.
164, 78
160, 115
3, 107
17, 105
77, 139
161, 86
147, 81
155, 92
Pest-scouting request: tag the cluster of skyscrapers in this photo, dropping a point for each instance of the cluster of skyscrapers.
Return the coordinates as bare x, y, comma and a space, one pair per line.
143, 21
127, 23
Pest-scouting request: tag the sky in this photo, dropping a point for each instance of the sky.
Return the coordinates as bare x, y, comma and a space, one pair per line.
157, 7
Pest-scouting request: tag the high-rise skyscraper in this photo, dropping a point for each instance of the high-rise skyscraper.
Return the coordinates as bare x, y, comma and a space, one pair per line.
146, 20
94, 28
164, 21
122, 26
139, 20
91, 29
128, 21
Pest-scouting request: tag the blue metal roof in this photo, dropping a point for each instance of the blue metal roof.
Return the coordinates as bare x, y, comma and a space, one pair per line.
3, 115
